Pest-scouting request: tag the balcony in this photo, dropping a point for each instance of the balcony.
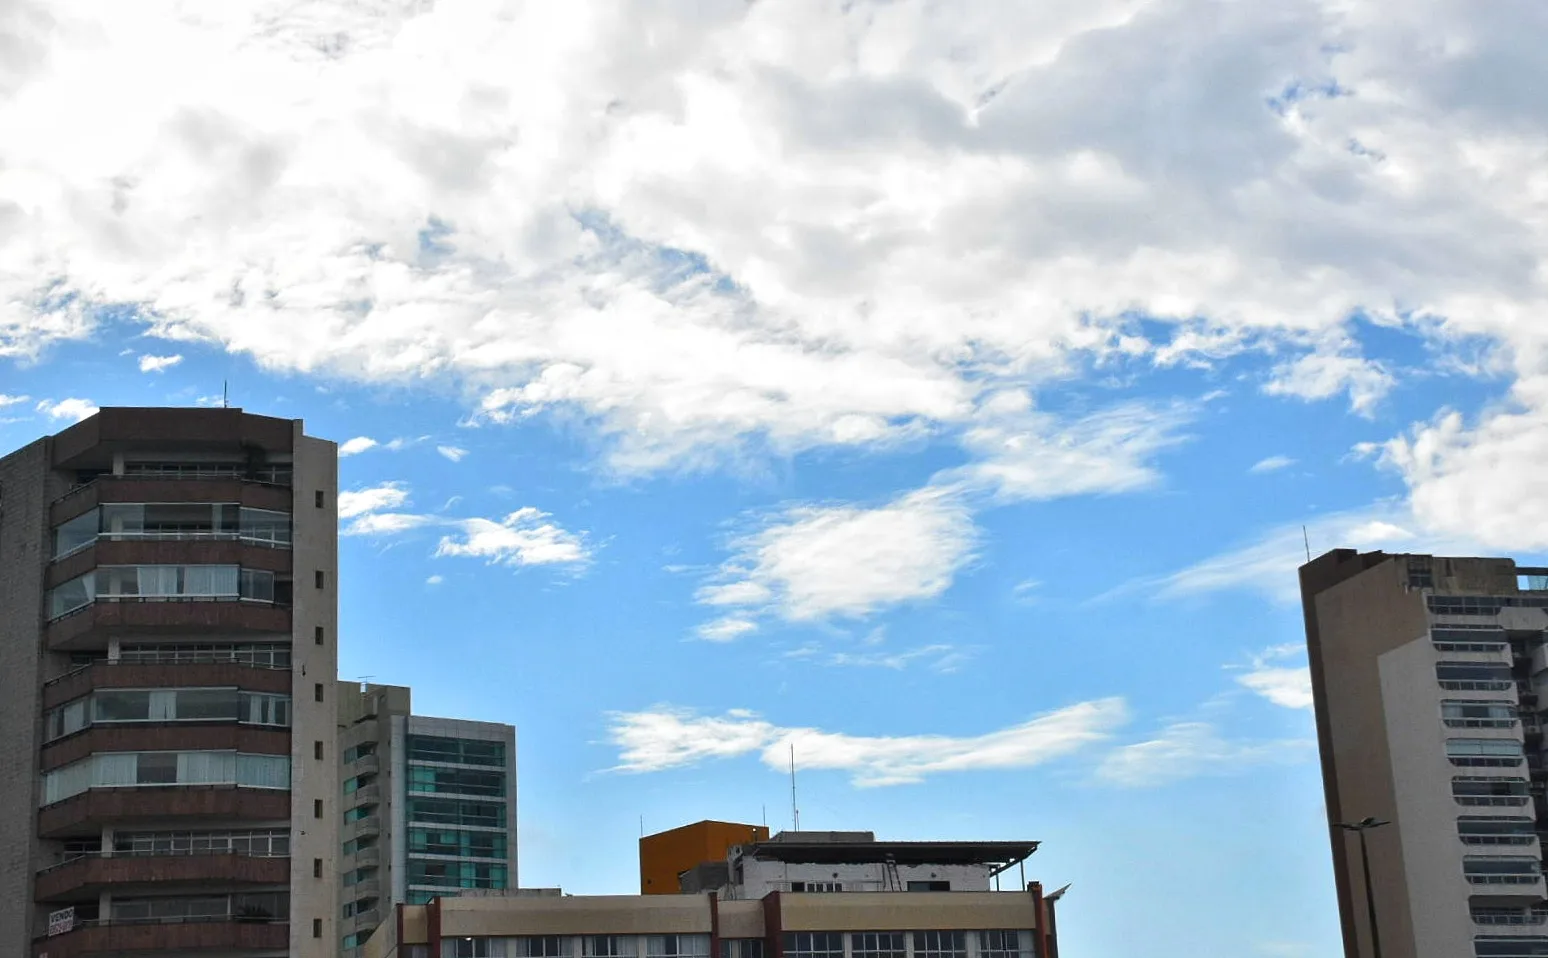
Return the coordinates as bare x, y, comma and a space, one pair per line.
369, 888
364, 828
369, 795
259, 493
364, 765
367, 857
210, 935
166, 737
88, 812
185, 551
90, 626
365, 920
84, 877
140, 675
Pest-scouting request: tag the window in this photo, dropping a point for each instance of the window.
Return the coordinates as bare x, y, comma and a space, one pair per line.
541, 946
356, 814
359, 751
877, 944
1510, 946
359, 875
355, 784
317, 809
317, 497
1004, 944
157, 768
317, 868
318, 576
125, 769
111, 706
317, 692
257, 843
620, 946
455, 780
682, 946
457, 874
161, 583
929, 886
472, 948
1474, 676
1490, 791
271, 906
317, 750
940, 944
316, 927
814, 944
816, 886
259, 655
1475, 830
456, 843
452, 811
75, 534
1488, 752
457, 751
1469, 714
1502, 871
317, 635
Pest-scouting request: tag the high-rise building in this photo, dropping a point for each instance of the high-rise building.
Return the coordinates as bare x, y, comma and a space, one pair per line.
1429, 678
429, 806
665, 856
168, 606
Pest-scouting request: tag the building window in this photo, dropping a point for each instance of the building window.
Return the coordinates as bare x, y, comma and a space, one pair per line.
160, 583
1474, 676
124, 769
1004, 944
1476, 830
316, 927
929, 886
743, 948
472, 948
257, 906
257, 843
1490, 791
435, 748
1503, 871
458, 843
877, 944
317, 497
678, 946
317, 635
816, 886
317, 750
1510, 946
317, 692
1474, 714
457, 874
814, 944
940, 944
451, 811
318, 576
456, 781
113, 706
262, 655
608, 946
359, 751
1485, 752
356, 814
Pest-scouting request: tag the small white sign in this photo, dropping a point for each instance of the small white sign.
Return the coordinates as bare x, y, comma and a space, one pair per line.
61, 921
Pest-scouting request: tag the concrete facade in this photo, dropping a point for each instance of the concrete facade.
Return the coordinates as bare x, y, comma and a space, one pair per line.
964, 924
1425, 691
157, 680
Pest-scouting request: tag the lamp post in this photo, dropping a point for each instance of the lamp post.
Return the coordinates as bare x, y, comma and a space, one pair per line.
1360, 828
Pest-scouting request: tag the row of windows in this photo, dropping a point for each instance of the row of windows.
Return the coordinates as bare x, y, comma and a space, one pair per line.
278, 473
806, 944
1469, 714
1490, 791
106, 706
459, 844
129, 769
457, 874
1482, 604
255, 905
462, 781
172, 520
269, 655
263, 842
452, 811
359, 844
161, 582
1510, 946
1497, 831
458, 751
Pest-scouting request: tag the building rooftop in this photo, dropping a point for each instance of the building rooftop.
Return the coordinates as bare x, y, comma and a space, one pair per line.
830, 848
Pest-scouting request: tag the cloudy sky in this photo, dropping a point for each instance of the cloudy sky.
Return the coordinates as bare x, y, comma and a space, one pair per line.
940, 387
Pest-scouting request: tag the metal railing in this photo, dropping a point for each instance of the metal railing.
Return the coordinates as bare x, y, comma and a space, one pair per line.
171, 658
1498, 800
160, 853
263, 476
1522, 879
182, 920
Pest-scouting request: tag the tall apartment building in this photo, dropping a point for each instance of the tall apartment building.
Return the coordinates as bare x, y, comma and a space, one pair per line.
429, 806
168, 612
1430, 679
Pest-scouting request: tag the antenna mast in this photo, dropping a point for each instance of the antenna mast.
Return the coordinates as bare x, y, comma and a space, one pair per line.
1307, 539
795, 810
225, 393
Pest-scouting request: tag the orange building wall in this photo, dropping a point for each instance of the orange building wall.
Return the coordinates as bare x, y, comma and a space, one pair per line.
665, 855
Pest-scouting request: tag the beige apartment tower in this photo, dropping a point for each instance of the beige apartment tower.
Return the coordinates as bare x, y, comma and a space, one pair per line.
1430, 678
168, 637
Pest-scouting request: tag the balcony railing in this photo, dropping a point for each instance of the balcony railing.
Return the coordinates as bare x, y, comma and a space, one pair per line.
1476, 685
281, 477
1495, 800
1498, 839
1522, 879
1510, 918
1480, 723
70, 859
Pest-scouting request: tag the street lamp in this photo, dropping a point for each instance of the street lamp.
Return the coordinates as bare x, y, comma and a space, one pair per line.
1360, 828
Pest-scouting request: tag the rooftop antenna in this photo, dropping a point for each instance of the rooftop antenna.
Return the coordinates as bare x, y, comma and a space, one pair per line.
795, 810
365, 682
225, 393
642, 826
1307, 539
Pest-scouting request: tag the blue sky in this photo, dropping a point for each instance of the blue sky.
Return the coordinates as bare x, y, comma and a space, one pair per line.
943, 391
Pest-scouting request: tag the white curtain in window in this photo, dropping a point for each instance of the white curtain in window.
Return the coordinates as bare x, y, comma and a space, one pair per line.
206, 768
210, 579
263, 771
157, 579
115, 768
163, 705
62, 783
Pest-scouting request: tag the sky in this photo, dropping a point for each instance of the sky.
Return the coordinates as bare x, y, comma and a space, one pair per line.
947, 390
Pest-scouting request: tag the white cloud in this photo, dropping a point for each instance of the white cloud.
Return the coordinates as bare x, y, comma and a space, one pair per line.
1271, 464
1322, 375
434, 580
814, 562
74, 410
940, 657
454, 453
386, 523
12, 400
780, 226
524, 537
355, 446
1283, 685
158, 364
664, 737
1189, 749
387, 495
728, 629
1025, 454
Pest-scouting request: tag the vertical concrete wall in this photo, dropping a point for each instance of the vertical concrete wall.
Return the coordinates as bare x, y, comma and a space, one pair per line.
314, 895
24, 552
